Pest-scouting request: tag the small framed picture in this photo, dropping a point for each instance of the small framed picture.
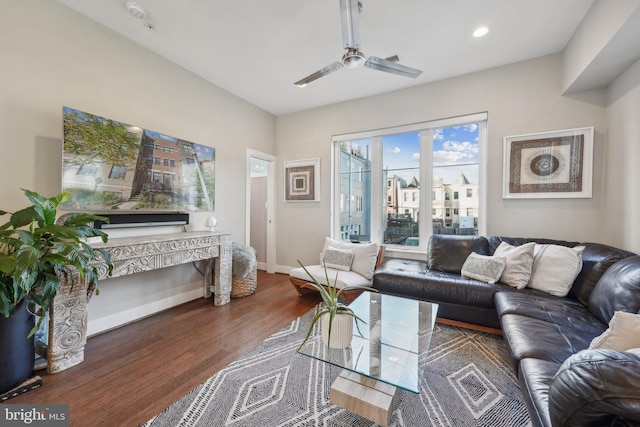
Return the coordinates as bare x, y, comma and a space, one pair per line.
302, 180
556, 164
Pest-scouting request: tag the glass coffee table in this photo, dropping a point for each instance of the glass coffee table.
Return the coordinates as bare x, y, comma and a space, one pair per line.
389, 356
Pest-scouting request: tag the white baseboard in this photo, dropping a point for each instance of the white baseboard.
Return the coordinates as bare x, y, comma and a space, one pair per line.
285, 269
122, 318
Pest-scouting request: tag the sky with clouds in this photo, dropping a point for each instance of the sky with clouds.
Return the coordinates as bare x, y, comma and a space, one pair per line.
455, 151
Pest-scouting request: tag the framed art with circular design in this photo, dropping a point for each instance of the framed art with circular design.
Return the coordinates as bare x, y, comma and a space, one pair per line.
555, 164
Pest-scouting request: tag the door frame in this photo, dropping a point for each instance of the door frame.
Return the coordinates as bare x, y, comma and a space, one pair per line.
271, 194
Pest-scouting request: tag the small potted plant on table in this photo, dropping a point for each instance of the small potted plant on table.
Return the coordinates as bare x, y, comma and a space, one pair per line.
336, 318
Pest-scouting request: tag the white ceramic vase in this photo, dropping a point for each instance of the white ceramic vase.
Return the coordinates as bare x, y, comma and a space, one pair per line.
341, 331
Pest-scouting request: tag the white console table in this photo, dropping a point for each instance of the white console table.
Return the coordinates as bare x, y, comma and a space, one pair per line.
130, 255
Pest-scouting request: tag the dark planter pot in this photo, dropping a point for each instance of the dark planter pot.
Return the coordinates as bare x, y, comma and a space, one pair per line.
17, 352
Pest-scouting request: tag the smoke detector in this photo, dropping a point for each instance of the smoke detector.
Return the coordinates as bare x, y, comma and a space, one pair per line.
136, 10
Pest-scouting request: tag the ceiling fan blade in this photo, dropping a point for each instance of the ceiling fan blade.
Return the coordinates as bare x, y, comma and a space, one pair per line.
350, 24
320, 73
391, 67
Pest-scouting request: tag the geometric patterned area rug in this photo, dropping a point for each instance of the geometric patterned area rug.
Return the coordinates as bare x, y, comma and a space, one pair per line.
468, 381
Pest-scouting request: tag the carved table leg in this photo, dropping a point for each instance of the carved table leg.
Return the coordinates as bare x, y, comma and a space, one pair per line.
222, 272
68, 326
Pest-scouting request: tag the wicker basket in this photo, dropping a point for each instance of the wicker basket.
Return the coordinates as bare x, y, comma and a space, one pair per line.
244, 286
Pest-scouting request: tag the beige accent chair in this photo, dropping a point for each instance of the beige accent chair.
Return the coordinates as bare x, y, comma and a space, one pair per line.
358, 271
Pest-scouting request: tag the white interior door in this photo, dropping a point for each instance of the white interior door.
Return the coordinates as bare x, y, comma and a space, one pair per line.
260, 221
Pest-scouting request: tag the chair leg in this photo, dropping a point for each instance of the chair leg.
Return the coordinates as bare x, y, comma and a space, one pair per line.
298, 285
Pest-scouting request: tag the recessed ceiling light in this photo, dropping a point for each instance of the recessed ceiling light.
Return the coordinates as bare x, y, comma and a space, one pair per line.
482, 31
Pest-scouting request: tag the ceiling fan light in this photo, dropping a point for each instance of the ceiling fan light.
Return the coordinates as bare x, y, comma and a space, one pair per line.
136, 10
480, 32
353, 58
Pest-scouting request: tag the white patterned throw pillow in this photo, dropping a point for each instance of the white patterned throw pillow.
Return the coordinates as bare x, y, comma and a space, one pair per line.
364, 255
339, 259
483, 267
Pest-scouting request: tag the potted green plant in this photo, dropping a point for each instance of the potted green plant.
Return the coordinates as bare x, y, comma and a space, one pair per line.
36, 256
336, 317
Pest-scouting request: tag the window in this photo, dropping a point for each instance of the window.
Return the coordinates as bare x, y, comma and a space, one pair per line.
353, 160
165, 162
441, 157
157, 160
172, 163
118, 172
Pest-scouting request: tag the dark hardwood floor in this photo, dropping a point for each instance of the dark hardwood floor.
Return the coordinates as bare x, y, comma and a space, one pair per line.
134, 372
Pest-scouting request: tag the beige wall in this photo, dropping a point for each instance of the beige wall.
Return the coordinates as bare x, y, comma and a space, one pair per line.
621, 203
519, 98
54, 57
595, 52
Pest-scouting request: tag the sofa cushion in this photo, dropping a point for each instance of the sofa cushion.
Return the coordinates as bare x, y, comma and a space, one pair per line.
415, 280
519, 263
596, 259
535, 377
541, 339
364, 255
596, 388
623, 333
448, 253
344, 278
555, 267
494, 241
617, 290
563, 311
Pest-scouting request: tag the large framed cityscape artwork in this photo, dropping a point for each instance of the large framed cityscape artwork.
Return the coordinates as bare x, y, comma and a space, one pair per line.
555, 164
302, 180
109, 165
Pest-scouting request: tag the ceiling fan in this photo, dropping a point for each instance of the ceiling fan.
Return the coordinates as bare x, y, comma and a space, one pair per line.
355, 58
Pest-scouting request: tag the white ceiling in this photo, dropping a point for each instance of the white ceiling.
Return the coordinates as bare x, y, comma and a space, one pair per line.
257, 49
